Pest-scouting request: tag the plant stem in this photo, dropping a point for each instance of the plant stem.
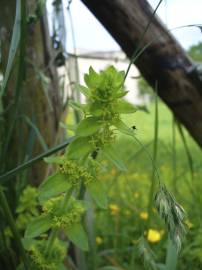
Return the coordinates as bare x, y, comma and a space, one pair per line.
11, 222
155, 147
174, 165
51, 241
138, 48
188, 153
54, 232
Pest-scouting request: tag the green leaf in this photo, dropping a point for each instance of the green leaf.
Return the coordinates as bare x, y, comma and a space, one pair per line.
78, 236
53, 185
98, 193
111, 154
121, 94
77, 106
119, 79
96, 109
171, 256
14, 46
38, 226
92, 79
79, 147
68, 126
28, 242
84, 90
124, 107
54, 159
123, 128
88, 126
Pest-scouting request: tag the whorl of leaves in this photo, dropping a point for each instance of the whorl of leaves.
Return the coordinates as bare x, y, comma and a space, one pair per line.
173, 215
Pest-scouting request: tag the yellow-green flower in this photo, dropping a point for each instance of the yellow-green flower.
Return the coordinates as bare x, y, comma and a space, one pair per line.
136, 195
114, 208
99, 240
189, 224
153, 236
144, 215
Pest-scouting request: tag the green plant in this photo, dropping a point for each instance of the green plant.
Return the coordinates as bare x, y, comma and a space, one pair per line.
58, 213
61, 195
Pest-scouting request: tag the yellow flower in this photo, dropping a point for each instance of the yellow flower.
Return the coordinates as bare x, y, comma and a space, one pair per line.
136, 195
153, 236
99, 240
114, 209
189, 224
144, 215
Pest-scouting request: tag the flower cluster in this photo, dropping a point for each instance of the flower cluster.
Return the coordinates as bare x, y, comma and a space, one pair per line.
75, 173
39, 259
106, 88
63, 216
28, 200
104, 93
27, 208
105, 136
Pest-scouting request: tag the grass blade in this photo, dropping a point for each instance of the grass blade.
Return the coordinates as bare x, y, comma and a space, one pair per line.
37, 131
155, 149
13, 48
133, 58
171, 257
189, 157
29, 163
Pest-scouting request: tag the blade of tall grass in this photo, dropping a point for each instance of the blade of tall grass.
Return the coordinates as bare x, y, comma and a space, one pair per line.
141, 39
155, 149
37, 131
171, 257
13, 48
22, 177
174, 159
189, 156
29, 163
21, 73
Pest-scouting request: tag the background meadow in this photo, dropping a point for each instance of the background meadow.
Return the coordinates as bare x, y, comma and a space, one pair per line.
129, 213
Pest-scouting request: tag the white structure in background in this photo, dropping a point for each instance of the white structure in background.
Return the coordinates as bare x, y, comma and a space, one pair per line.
99, 61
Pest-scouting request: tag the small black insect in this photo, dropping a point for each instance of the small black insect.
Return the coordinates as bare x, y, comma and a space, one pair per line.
134, 127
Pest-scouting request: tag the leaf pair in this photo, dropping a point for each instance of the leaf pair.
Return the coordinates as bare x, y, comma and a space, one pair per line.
42, 224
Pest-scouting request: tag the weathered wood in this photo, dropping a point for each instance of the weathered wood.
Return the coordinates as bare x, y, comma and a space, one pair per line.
165, 61
42, 106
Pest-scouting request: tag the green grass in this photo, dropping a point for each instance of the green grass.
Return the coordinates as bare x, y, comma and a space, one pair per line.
121, 230
121, 225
